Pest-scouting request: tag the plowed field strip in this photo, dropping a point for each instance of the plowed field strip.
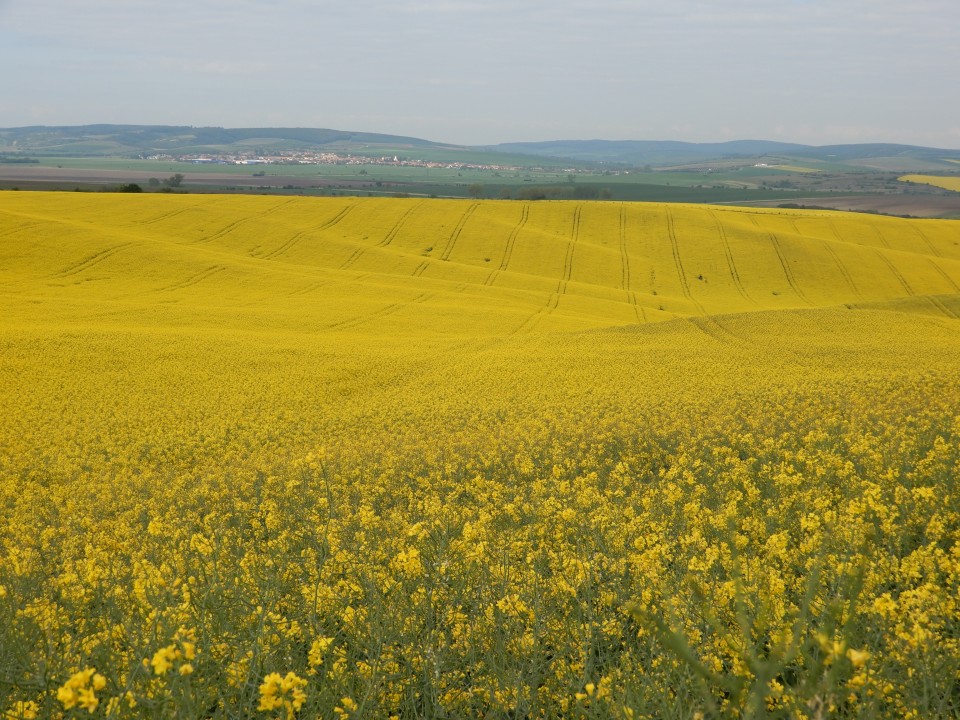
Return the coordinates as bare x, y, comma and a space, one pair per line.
454, 236
91, 260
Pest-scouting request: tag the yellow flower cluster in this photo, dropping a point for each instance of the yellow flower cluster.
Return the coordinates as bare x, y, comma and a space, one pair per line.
22, 710
80, 690
286, 693
181, 652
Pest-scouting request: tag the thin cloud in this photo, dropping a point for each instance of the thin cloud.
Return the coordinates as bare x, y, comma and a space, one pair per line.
475, 72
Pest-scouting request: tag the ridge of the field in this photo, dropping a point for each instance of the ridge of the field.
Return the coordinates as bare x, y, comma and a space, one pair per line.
444, 267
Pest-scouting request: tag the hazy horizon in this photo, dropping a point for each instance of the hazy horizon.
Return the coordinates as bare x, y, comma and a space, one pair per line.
815, 72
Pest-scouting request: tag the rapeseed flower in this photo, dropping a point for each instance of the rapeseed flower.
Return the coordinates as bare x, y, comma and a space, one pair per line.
282, 692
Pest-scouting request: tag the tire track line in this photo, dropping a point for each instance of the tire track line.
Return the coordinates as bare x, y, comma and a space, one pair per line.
395, 230
625, 268
843, 269
675, 248
235, 224
378, 314
941, 306
728, 254
896, 273
354, 256
299, 236
943, 274
568, 256
276, 208
882, 237
165, 216
194, 279
307, 289
926, 241
788, 273
455, 235
19, 228
527, 325
421, 268
707, 325
91, 261
508, 250
222, 231
554, 300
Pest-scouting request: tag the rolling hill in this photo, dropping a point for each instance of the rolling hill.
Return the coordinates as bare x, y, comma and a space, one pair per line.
447, 267
376, 457
123, 140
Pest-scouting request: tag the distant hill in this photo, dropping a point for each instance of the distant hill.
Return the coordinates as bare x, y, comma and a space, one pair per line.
647, 152
144, 140
101, 140
660, 153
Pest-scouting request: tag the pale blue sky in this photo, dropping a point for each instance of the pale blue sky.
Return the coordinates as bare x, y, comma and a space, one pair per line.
813, 71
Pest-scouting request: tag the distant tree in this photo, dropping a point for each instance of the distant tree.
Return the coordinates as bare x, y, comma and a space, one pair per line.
153, 182
532, 193
131, 188
586, 192
475, 190
174, 180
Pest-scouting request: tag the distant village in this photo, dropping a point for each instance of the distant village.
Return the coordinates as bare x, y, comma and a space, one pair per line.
323, 158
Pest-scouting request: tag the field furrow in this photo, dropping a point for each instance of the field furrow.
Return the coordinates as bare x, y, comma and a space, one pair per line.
787, 271
728, 256
455, 235
896, 273
91, 261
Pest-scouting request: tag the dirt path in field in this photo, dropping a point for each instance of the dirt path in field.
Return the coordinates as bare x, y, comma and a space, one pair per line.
925, 206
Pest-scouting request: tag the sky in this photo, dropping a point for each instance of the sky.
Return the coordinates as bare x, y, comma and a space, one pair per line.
483, 72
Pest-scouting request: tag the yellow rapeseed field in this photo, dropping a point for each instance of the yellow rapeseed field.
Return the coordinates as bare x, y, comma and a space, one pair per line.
371, 457
947, 183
